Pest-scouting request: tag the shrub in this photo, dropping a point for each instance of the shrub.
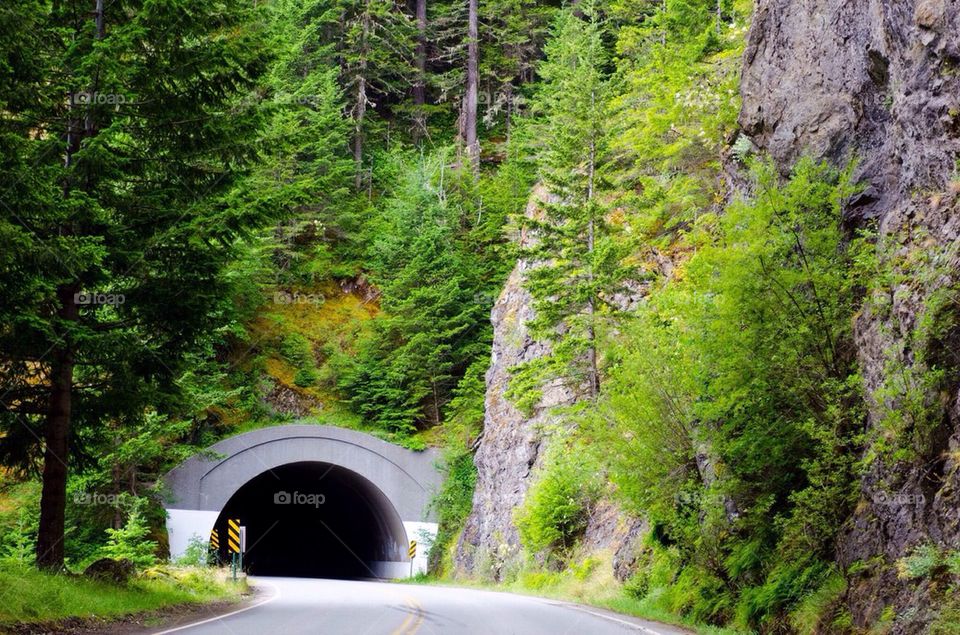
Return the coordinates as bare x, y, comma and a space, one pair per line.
820, 607
952, 560
297, 349
921, 562
306, 377
197, 553
130, 541
556, 509
452, 503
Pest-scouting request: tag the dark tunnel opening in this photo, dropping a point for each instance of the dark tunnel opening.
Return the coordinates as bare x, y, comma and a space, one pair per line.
313, 520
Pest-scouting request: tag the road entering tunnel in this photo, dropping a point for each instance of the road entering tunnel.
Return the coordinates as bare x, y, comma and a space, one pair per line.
313, 519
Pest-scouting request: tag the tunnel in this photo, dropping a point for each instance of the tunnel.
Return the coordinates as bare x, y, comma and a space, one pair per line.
313, 519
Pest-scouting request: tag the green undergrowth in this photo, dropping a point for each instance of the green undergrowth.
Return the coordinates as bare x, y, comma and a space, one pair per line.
588, 581
30, 596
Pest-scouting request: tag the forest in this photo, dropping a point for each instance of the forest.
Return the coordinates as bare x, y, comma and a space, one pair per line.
222, 216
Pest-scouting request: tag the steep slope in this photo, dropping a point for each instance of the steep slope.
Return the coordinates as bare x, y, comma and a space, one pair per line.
877, 82
513, 443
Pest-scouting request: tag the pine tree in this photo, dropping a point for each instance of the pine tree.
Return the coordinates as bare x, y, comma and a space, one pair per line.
304, 172
468, 115
115, 222
511, 44
432, 327
577, 265
373, 42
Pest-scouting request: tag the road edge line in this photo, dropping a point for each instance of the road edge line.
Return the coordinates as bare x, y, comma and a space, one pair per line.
276, 594
634, 625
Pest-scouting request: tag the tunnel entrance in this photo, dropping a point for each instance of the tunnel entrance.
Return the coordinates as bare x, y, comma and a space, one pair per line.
314, 519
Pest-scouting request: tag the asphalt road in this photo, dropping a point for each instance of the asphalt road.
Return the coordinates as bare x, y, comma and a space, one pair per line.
292, 606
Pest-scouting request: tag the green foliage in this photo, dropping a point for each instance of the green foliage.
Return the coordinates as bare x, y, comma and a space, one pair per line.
952, 562
19, 542
35, 597
306, 377
554, 513
947, 621
297, 349
921, 563
452, 504
744, 362
131, 541
197, 553
921, 363
427, 260
577, 262
118, 221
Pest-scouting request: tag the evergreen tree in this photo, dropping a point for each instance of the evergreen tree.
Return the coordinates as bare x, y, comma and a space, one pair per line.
576, 261
115, 222
304, 170
373, 42
468, 114
511, 44
433, 326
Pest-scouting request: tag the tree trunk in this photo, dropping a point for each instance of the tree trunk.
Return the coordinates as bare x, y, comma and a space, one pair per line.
470, 97
508, 117
53, 499
358, 136
591, 309
360, 108
420, 86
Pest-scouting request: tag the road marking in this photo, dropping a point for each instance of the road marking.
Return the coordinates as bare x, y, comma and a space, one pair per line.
276, 594
413, 621
420, 616
639, 627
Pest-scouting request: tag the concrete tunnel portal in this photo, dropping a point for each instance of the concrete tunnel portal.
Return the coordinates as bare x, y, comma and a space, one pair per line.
316, 501
313, 519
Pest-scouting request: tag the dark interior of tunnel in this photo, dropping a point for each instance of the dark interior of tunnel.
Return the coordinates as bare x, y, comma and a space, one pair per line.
313, 520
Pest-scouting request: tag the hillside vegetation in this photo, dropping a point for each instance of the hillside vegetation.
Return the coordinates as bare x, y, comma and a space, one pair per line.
223, 216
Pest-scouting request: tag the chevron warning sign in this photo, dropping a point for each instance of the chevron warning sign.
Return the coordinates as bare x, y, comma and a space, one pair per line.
233, 535
215, 540
413, 549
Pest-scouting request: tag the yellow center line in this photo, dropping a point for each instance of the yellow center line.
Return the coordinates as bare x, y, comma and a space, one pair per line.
406, 622
414, 619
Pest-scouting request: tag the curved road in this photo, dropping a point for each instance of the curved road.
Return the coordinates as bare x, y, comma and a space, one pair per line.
291, 606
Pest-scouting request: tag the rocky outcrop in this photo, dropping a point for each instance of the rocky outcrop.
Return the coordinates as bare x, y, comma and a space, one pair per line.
512, 443
878, 82
874, 81
510, 446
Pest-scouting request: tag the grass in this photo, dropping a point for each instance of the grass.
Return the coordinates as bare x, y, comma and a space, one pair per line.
590, 582
30, 596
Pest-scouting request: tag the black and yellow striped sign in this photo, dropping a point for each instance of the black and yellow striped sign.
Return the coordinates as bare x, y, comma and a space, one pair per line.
413, 549
233, 535
215, 539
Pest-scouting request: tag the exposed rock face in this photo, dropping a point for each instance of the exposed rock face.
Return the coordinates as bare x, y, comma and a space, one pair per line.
873, 80
512, 443
510, 446
878, 81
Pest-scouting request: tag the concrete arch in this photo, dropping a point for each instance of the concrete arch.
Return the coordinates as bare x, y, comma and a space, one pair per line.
394, 481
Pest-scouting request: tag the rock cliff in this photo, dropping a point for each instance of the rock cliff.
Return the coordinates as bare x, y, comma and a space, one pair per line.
878, 82
510, 448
